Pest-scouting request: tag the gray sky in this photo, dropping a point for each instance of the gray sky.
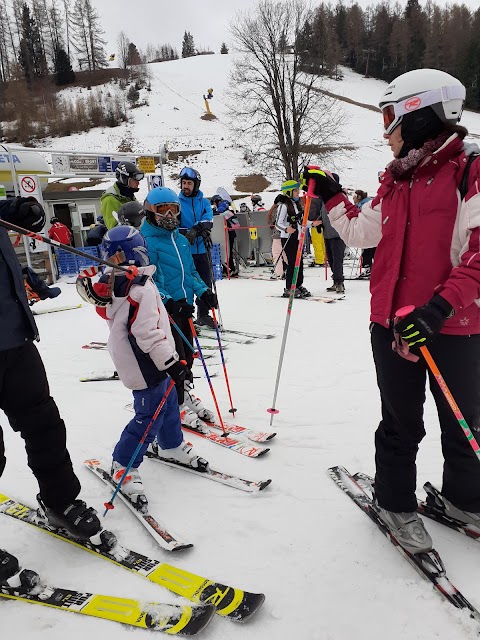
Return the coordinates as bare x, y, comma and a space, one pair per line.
165, 21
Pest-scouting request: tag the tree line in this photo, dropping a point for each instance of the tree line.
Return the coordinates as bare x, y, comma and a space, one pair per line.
386, 40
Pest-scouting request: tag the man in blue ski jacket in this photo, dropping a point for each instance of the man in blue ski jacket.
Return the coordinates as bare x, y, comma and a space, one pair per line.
196, 222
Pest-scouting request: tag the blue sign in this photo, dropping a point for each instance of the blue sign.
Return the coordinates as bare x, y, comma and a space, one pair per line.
155, 181
104, 164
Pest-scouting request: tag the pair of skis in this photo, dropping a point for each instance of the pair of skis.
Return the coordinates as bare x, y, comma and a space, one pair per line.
213, 597
102, 346
326, 299
359, 487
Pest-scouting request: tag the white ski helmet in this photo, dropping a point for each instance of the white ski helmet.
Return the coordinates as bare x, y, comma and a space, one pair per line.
422, 88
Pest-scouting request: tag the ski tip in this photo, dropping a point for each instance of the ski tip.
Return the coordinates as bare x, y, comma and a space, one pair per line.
262, 452
250, 604
181, 546
271, 435
201, 616
262, 485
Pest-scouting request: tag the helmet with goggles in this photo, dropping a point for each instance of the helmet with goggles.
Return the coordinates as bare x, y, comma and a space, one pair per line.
187, 173
419, 89
127, 170
162, 207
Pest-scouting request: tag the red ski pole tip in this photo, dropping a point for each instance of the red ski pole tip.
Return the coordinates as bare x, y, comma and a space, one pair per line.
108, 505
404, 311
271, 410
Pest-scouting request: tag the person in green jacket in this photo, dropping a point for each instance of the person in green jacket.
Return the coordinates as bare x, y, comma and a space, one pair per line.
122, 191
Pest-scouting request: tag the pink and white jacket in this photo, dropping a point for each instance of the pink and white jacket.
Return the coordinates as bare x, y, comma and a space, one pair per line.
428, 238
140, 343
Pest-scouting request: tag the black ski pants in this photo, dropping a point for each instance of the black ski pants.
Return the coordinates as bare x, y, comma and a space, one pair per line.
202, 265
402, 387
184, 352
290, 247
25, 399
335, 248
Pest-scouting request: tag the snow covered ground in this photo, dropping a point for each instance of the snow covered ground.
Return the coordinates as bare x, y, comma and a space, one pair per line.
327, 573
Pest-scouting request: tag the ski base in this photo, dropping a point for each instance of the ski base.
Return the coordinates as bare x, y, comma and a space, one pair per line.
429, 565
235, 482
248, 334
230, 602
171, 619
163, 536
41, 312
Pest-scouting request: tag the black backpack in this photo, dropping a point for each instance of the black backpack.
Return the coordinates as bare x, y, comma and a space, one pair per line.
463, 188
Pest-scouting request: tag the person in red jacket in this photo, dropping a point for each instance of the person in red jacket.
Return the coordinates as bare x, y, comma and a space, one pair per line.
428, 256
59, 232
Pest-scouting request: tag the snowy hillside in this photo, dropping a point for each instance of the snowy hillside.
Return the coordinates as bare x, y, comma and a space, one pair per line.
326, 571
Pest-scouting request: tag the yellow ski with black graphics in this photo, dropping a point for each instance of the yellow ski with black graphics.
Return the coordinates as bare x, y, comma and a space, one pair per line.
171, 619
230, 602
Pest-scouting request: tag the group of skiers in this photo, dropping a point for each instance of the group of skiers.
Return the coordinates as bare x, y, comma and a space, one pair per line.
425, 292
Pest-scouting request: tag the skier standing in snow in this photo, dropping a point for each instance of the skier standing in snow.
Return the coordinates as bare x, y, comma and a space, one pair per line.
177, 281
222, 207
25, 398
289, 219
360, 198
128, 177
143, 351
196, 222
280, 263
427, 256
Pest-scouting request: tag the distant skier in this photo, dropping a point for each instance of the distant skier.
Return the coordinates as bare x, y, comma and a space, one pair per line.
59, 231
96, 232
128, 177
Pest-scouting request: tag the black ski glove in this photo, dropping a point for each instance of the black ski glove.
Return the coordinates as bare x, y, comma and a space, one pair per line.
210, 299
178, 372
27, 213
422, 325
191, 235
182, 309
325, 186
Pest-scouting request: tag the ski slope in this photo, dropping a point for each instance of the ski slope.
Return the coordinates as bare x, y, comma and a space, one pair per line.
326, 571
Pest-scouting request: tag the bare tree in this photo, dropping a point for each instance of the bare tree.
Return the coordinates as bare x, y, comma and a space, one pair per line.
123, 43
277, 106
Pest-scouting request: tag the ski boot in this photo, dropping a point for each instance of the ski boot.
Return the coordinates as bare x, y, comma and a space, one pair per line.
332, 288
205, 321
438, 502
132, 486
183, 455
304, 293
13, 577
297, 294
79, 521
195, 404
407, 528
340, 287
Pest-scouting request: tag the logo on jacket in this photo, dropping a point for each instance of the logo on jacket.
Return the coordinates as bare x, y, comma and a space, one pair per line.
412, 103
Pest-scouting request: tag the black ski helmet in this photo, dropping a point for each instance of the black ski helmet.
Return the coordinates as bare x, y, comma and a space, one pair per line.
256, 199
187, 173
126, 170
53, 220
131, 213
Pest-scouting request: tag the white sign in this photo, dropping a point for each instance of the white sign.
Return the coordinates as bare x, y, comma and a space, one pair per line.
154, 181
60, 163
30, 186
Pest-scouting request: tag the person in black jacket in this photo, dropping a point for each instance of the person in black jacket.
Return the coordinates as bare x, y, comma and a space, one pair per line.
25, 395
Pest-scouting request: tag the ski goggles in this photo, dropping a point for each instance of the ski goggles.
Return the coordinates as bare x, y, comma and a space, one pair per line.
393, 112
166, 208
138, 175
187, 173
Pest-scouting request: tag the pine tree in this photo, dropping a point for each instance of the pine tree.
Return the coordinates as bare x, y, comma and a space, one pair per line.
224, 48
32, 57
64, 73
133, 57
87, 36
188, 45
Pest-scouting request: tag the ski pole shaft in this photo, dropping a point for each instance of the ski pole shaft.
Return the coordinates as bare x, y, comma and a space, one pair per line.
182, 335
194, 333
65, 247
451, 400
232, 409
301, 239
109, 505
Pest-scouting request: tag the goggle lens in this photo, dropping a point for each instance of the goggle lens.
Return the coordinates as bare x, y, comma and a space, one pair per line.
138, 176
390, 120
166, 208
189, 174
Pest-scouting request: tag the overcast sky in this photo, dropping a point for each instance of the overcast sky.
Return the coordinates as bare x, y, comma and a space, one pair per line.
165, 21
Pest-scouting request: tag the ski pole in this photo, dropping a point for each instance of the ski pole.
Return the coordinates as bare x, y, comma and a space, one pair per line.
109, 505
183, 336
311, 185
194, 333
280, 256
214, 287
232, 409
401, 313
31, 234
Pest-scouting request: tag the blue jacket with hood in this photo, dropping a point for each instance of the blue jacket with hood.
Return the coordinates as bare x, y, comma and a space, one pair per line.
176, 276
196, 212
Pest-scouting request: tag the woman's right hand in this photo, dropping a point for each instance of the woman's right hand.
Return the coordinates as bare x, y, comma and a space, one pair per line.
290, 230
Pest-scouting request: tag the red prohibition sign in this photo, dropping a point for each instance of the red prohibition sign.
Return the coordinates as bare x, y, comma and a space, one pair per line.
28, 185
